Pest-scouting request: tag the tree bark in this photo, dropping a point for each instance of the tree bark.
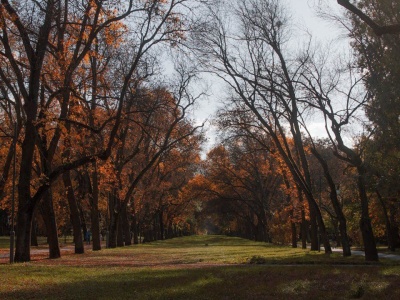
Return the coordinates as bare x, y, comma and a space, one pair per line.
161, 220
47, 210
34, 240
22, 251
94, 213
294, 234
126, 226
335, 203
112, 205
135, 230
74, 214
389, 230
304, 226
120, 231
371, 253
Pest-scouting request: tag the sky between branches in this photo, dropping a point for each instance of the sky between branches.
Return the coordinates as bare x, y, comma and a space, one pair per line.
306, 23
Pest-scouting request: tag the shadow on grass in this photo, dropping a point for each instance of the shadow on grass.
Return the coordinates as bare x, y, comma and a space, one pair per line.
236, 282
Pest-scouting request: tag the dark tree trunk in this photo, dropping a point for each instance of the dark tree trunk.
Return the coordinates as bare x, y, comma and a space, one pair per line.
120, 231
304, 230
34, 240
83, 221
161, 220
74, 214
112, 242
371, 253
126, 226
115, 228
294, 231
389, 230
22, 251
135, 229
26, 205
49, 218
344, 238
94, 215
335, 203
314, 235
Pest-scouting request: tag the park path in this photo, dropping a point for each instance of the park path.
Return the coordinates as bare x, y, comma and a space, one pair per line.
381, 255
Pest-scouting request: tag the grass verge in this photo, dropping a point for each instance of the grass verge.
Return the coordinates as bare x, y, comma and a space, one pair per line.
200, 267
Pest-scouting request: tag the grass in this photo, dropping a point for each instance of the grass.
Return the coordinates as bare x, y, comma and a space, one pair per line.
200, 267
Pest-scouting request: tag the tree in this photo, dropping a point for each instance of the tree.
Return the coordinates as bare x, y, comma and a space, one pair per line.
65, 34
163, 126
375, 25
377, 59
340, 103
253, 61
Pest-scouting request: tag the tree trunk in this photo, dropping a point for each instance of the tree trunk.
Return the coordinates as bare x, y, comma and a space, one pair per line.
304, 229
161, 220
112, 242
389, 230
49, 218
22, 250
314, 234
343, 237
94, 213
74, 214
335, 203
135, 229
126, 226
120, 231
371, 253
293, 230
25, 205
34, 240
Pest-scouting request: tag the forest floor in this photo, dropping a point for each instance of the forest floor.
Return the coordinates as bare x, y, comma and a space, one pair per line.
199, 267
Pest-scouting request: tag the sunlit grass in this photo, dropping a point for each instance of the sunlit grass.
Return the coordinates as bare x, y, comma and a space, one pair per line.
202, 267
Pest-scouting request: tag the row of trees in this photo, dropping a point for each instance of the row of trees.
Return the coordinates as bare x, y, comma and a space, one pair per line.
276, 91
77, 79
102, 140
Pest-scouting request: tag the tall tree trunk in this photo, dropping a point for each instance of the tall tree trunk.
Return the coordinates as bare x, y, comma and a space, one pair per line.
161, 220
314, 234
335, 203
25, 204
34, 240
304, 229
74, 214
371, 253
126, 226
389, 230
22, 251
113, 208
49, 218
120, 231
94, 215
135, 230
293, 230
82, 218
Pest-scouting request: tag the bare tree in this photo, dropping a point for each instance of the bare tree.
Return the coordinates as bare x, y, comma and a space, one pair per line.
340, 96
252, 57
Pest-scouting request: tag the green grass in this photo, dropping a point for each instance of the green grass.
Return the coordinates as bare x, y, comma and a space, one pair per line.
200, 267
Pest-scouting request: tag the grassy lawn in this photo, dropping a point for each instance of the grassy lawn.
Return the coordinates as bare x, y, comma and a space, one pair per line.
200, 267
